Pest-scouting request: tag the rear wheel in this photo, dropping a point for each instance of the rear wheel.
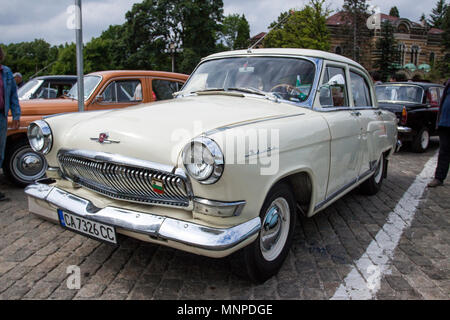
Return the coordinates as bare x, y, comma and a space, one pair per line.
372, 185
264, 257
22, 165
421, 141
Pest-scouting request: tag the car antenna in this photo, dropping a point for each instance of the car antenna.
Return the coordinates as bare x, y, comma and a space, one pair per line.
249, 50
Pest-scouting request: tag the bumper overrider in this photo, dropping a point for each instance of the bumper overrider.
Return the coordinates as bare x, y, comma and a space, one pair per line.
45, 200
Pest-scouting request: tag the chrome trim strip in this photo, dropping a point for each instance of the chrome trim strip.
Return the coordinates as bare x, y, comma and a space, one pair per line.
216, 130
192, 234
404, 129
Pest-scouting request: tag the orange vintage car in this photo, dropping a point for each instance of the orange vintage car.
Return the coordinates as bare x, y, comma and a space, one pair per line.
102, 90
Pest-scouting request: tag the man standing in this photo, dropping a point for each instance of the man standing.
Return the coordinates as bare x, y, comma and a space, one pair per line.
444, 139
18, 78
8, 101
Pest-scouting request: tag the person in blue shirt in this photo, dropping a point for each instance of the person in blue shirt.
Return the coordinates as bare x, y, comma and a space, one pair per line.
443, 122
8, 101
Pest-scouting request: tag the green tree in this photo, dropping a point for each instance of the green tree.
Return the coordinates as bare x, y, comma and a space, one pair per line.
235, 31
29, 57
437, 14
394, 12
153, 24
67, 60
388, 54
355, 14
303, 29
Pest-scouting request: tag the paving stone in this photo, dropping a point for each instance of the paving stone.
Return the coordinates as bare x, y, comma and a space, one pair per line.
35, 254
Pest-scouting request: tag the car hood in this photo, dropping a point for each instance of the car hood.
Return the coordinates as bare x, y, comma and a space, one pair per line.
157, 132
47, 106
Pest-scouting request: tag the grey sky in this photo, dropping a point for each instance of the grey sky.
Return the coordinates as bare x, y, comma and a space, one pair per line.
26, 20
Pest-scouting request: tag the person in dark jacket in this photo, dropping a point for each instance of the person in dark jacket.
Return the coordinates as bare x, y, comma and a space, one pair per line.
8, 101
443, 123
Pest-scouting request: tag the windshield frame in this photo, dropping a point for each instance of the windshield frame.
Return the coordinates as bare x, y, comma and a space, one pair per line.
399, 85
317, 63
31, 91
92, 91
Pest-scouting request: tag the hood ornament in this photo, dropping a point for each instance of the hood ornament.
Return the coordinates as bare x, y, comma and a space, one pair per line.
103, 139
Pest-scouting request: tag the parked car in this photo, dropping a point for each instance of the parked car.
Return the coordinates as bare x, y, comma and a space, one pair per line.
253, 138
416, 106
102, 90
46, 87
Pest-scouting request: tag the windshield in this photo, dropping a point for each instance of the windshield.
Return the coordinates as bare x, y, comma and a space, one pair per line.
288, 78
400, 93
28, 89
90, 83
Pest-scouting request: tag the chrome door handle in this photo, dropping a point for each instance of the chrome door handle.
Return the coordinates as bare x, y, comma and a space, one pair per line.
355, 113
378, 113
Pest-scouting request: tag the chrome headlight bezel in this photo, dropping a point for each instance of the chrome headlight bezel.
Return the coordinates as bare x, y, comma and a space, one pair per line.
36, 128
216, 168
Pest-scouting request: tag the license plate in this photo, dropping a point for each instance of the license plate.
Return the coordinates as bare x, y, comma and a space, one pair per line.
93, 229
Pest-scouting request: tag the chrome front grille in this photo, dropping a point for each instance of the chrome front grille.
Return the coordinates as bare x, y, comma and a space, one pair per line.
125, 178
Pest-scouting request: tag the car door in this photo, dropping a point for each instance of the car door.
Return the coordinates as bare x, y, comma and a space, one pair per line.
119, 93
344, 127
370, 119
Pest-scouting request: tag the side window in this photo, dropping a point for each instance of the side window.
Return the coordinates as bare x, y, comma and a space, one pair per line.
48, 90
360, 90
333, 92
164, 89
123, 91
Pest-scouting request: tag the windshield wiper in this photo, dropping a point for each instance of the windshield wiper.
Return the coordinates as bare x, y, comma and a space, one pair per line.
268, 95
249, 90
208, 90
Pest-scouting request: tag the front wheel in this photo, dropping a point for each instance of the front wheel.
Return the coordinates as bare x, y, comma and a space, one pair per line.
22, 166
264, 257
421, 141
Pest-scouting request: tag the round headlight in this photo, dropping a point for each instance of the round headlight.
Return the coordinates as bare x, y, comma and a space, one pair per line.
203, 160
40, 136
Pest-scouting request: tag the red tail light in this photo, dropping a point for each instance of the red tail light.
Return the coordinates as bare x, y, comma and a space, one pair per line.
404, 118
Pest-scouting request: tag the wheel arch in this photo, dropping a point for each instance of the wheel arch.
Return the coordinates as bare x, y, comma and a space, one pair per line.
302, 184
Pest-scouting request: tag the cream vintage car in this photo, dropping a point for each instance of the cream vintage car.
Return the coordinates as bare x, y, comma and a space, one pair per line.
254, 138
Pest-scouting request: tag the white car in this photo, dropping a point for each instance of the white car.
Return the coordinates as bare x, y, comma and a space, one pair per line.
254, 138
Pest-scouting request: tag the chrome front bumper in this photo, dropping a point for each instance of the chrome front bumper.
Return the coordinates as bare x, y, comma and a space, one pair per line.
155, 226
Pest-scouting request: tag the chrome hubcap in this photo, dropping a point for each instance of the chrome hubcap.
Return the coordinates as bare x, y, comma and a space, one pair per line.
28, 165
274, 229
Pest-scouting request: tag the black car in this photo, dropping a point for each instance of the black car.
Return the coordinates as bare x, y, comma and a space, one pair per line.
416, 106
46, 87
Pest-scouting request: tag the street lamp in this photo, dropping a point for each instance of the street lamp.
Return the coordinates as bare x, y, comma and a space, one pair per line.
173, 48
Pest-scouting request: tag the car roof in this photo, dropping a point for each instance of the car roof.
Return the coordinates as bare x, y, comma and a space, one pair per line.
152, 73
287, 52
56, 77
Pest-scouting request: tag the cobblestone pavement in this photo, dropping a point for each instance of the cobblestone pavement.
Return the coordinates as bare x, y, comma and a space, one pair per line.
34, 254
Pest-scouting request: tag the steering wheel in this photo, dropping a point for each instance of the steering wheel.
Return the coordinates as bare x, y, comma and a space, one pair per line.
287, 86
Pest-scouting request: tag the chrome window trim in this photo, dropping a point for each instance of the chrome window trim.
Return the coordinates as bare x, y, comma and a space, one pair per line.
308, 103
